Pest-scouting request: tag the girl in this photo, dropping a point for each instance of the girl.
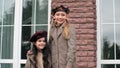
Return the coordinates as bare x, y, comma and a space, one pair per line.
40, 51
62, 39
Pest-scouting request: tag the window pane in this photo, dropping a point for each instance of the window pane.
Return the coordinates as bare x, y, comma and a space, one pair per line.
108, 66
8, 14
118, 41
7, 43
0, 41
1, 9
107, 42
117, 11
27, 12
38, 28
26, 33
42, 12
106, 11
22, 65
118, 66
6, 66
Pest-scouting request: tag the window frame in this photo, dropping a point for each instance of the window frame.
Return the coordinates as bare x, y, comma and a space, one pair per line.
99, 60
17, 61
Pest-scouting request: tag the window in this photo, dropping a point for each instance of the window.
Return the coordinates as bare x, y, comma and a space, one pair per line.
19, 19
108, 24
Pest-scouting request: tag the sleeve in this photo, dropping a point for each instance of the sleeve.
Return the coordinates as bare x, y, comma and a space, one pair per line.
27, 65
71, 48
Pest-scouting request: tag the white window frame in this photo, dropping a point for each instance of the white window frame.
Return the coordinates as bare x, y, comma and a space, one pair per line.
17, 61
99, 60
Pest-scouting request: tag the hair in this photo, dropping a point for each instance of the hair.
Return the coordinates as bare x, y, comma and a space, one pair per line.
66, 33
45, 51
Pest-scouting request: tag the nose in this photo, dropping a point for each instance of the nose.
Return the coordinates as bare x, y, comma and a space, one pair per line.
60, 16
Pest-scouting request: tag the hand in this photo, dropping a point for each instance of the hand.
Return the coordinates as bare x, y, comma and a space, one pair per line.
29, 52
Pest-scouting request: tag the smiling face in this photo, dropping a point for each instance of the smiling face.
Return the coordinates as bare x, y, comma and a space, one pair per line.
40, 43
60, 17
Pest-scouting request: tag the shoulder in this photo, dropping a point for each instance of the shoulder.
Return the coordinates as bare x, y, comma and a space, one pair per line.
71, 27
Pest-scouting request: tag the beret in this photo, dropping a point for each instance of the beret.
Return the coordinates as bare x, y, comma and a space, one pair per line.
60, 8
38, 35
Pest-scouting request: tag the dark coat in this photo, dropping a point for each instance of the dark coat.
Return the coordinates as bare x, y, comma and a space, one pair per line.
63, 51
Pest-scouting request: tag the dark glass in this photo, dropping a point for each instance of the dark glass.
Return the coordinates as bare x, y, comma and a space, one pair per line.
108, 43
108, 66
22, 65
27, 12
26, 33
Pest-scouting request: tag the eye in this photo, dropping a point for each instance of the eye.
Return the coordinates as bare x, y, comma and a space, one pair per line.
57, 14
62, 14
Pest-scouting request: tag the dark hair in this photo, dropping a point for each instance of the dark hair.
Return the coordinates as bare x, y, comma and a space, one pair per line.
60, 8
46, 51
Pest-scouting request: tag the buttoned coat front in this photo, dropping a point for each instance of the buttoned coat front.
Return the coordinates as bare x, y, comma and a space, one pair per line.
63, 50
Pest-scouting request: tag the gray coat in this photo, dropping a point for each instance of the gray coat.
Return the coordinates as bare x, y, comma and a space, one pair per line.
63, 51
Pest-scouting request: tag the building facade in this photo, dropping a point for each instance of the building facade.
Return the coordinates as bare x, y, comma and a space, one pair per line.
97, 24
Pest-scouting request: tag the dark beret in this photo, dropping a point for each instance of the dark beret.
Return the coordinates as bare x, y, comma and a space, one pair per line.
38, 35
60, 8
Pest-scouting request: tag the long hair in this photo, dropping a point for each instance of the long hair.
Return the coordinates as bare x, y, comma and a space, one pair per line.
46, 53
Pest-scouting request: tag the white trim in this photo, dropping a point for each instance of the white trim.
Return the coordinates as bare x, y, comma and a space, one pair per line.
49, 16
6, 61
17, 33
99, 28
98, 34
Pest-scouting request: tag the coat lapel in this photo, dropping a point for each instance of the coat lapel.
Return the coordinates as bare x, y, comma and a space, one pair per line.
60, 31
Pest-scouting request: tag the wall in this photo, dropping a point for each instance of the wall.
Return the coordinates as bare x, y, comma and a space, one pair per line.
83, 16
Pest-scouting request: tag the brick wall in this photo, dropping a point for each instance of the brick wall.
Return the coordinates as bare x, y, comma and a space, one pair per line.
83, 16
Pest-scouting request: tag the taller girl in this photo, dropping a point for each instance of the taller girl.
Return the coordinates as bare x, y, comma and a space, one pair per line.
62, 39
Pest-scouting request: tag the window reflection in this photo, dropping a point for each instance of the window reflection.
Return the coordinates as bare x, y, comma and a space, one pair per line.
41, 28
26, 33
8, 12
108, 42
108, 66
27, 11
7, 42
118, 41
22, 65
6, 66
117, 11
106, 11
42, 12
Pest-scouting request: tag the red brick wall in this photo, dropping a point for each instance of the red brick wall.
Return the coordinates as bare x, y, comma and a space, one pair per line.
83, 16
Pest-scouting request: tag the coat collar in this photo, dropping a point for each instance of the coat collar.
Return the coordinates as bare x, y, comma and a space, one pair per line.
58, 30
31, 58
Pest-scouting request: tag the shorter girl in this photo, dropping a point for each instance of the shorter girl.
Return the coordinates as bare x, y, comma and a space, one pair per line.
40, 51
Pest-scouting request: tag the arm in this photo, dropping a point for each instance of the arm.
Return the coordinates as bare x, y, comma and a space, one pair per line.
71, 48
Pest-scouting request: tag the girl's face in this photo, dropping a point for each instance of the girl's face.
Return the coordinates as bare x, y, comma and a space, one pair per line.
60, 17
40, 43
